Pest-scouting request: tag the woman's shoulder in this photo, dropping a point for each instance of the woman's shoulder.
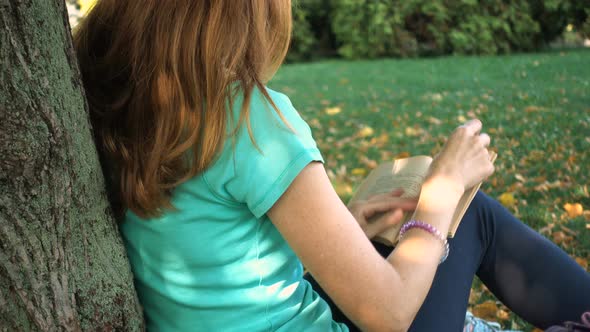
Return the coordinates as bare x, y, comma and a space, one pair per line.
278, 98
264, 101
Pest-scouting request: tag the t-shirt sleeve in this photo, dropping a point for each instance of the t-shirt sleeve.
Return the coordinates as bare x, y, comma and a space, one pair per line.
263, 172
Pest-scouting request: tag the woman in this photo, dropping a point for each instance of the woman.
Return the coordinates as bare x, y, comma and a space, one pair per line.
223, 192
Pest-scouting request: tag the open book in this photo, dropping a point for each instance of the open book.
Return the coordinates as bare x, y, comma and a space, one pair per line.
408, 174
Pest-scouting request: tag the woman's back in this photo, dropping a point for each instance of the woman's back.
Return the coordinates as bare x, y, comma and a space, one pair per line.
217, 262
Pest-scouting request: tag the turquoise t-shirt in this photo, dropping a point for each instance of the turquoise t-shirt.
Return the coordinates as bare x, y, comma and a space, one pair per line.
217, 263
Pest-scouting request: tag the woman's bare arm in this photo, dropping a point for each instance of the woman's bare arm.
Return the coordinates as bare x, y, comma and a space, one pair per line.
376, 294
333, 247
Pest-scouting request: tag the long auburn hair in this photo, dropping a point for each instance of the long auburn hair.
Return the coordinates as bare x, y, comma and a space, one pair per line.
159, 76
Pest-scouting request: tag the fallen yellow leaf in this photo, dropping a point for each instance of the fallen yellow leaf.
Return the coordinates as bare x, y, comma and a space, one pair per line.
366, 132
380, 140
507, 199
573, 210
333, 110
359, 171
412, 132
434, 120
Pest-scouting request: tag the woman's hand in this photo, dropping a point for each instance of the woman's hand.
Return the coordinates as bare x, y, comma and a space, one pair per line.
388, 210
465, 158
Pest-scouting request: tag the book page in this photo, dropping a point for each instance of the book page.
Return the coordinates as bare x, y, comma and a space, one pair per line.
407, 174
411, 184
370, 185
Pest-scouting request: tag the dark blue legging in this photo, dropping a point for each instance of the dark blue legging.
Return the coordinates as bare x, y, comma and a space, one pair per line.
527, 272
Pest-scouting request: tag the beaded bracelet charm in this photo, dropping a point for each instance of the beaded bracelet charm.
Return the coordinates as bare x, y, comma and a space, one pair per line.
430, 229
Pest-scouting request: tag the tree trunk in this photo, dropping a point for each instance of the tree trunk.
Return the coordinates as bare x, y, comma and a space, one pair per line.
62, 263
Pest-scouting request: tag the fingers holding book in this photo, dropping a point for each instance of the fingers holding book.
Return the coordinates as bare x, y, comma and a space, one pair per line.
465, 157
381, 211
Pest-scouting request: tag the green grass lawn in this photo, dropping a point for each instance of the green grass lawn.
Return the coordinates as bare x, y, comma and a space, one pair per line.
536, 108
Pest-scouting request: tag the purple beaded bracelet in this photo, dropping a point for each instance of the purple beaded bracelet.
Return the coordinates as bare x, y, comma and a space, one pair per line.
430, 229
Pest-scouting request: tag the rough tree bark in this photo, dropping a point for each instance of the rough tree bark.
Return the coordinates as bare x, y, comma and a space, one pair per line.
62, 263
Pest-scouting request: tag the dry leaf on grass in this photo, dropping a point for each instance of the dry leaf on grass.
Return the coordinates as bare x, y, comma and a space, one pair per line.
574, 210
333, 110
366, 132
507, 199
358, 171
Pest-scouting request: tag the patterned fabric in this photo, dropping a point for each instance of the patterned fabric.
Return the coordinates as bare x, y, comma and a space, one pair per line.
474, 324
